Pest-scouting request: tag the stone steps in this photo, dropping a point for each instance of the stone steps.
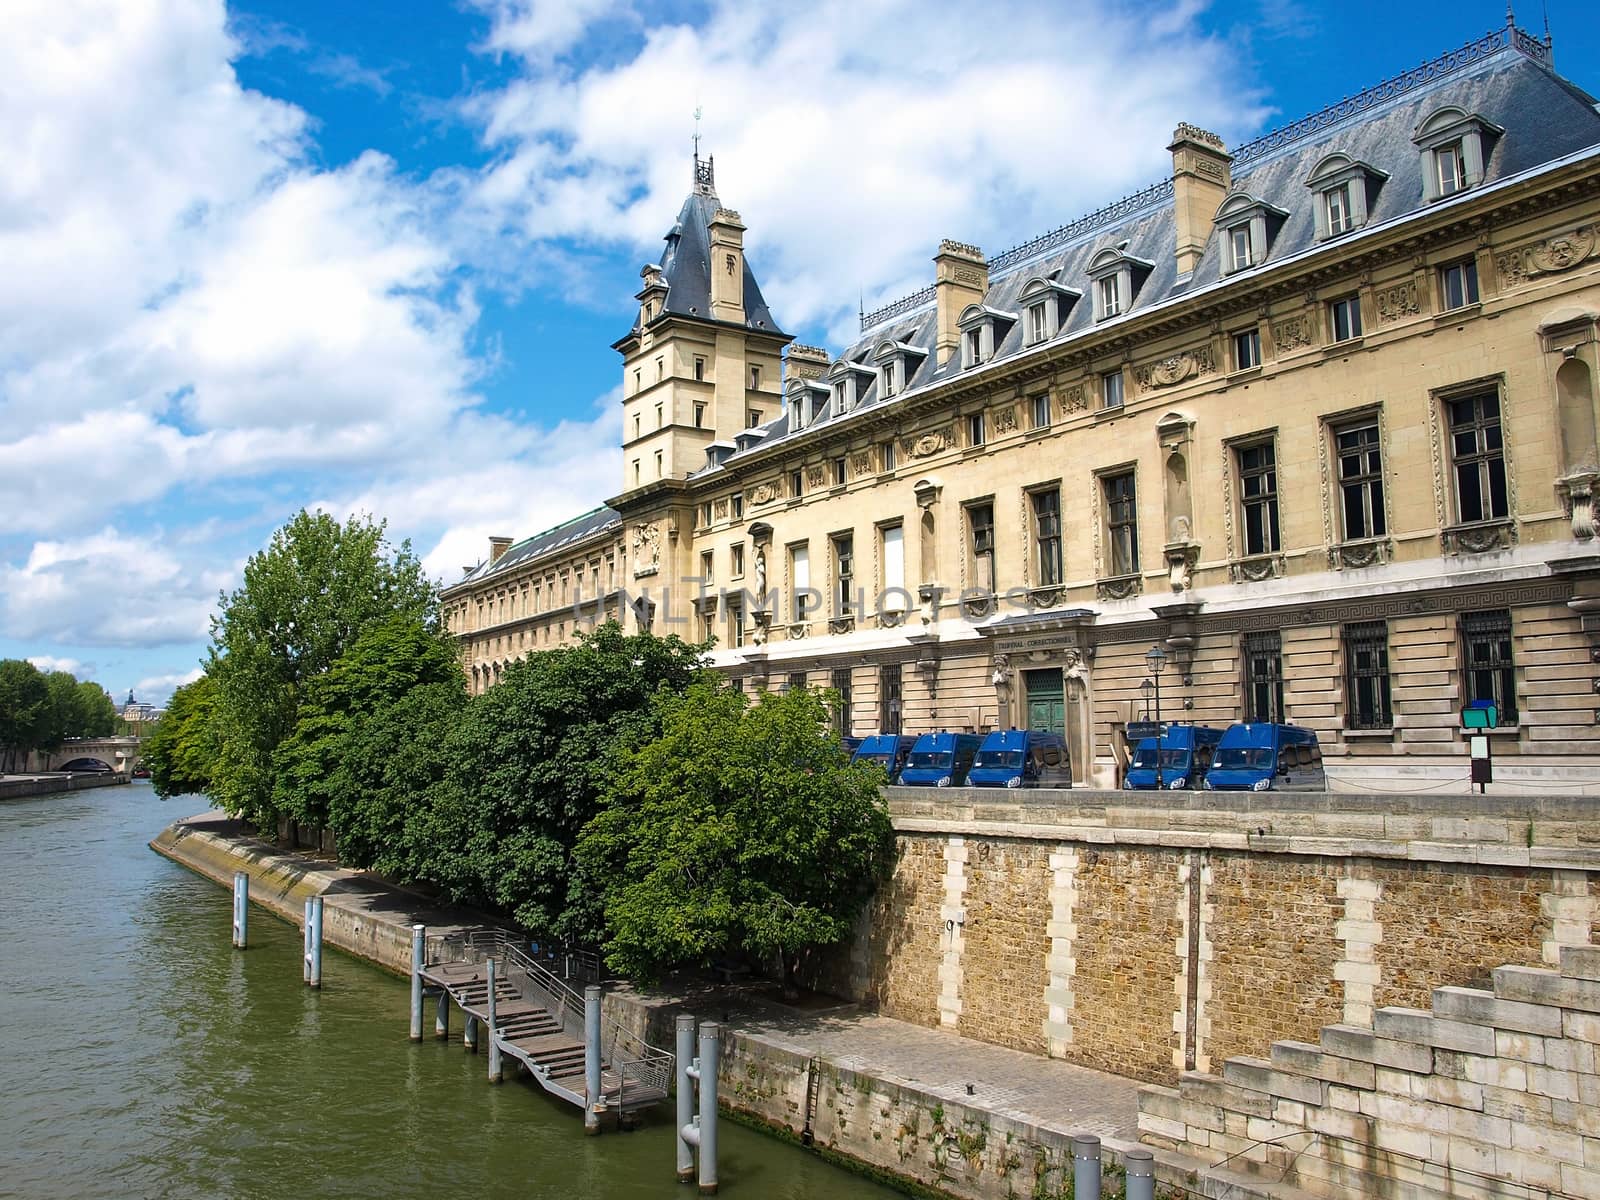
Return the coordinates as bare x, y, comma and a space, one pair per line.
1487, 1088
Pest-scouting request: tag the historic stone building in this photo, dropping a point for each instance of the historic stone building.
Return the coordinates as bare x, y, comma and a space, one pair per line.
1317, 416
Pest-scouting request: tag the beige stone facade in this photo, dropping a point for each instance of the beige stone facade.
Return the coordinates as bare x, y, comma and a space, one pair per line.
1317, 417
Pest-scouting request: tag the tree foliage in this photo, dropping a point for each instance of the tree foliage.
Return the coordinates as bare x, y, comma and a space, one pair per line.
528, 766
182, 748
742, 829
304, 600
24, 698
40, 711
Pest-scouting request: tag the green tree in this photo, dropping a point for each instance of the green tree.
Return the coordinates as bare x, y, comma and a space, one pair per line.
62, 715
742, 829
529, 763
318, 777
181, 751
97, 712
303, 602
24, 699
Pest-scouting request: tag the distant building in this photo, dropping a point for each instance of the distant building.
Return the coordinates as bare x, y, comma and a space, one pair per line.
139, 711
1316, 416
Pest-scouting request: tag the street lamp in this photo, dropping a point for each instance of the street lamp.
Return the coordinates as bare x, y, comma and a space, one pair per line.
1156, 659
1144, 692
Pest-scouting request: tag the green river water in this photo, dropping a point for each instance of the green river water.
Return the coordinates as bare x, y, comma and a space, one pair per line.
141, 1056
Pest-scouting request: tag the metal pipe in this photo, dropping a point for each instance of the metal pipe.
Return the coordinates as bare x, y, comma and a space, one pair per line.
419, 943
593, 1102
1086, 1168
305, 946
241, 908
685, 1097
708, 1109
441, 1014
314, 937
496, 1074
469, 1034
1141, 1179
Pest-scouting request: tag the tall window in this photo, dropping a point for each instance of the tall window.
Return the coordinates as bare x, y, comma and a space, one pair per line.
699, 368
1111, 389
736, 505
1490, 673
1366, 675
1458, 284
1108, 296
1122, 524
975, 429
1239, 254
1258, 497
888, 456
1360, 481
974, 339
838, 469
1478, 455
1246, 349
752, 418
755, 378
706, 560
889, 698
1451, 167
1344, 318
1047, 533
1263, 677
736, 560
1336, 205
843, 572
888, 378
736, 621
980, 519
893, 547
796, 483
840, 682
800, 575
797, 681
1038, 326
1041, 410
699, 416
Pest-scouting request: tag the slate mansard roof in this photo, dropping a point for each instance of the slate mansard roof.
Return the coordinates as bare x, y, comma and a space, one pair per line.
566, 534
1503, 77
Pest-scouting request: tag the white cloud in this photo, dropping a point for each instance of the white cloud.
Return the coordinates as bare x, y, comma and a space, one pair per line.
853, 136
72, 666
158, 689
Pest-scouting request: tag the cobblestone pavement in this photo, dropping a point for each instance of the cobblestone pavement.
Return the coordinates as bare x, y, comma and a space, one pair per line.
1011, 1083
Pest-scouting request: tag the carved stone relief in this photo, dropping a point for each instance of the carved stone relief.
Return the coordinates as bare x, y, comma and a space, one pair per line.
764, 493
926, 444
1291, 333
861, 462
1073, 400
815, 476
1548, 257
721, 509
1005, 419
647, 548
1398, 301
1175, 368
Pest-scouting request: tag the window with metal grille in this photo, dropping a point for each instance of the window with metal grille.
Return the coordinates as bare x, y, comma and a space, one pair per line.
1122, 524
889, 698
1366, 676
980, 518
1360, 481
1489, 669
840, 682
1263, 677
797, 680
1478, 456
1047, 533
1258, 497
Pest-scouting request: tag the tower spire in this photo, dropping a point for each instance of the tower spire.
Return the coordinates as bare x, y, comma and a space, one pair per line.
705, 176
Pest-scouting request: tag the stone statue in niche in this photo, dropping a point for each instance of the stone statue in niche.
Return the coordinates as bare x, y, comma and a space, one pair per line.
761, 575
1002, 672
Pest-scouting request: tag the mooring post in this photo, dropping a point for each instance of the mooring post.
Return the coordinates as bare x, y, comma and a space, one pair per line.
708, 1109
469, 1034
685, 1096
1141, 1168
593, 1101
305, 945
495, 1072
314, 941
1086, 1168
419, 948
441, 1015
241, 908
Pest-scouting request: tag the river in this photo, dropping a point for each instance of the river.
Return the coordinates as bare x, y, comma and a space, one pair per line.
141, 1056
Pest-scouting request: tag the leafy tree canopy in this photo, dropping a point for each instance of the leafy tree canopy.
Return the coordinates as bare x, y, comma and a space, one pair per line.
304, 600
742, 829
529, 763
40, 711
182, 748
24, 699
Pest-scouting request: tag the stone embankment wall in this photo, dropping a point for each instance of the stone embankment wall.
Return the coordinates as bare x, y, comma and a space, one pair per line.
1153, 933
45, 785
1492, 1092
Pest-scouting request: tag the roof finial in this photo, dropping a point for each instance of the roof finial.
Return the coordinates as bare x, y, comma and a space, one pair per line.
705, 179
697, 111
1511, 17
1547, 44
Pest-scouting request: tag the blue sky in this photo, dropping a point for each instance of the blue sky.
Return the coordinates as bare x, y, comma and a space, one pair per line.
372, 258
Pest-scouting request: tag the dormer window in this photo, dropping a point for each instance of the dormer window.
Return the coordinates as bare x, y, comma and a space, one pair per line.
1345, 189
1249, 225
1045, 306
897, 365
1117, 277
982, 330
805, 399
1455, 145
848, 381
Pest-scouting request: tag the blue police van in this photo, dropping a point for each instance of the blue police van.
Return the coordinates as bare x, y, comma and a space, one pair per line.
1018, 758
940, 760
888, 750
1185, 754
1258, 757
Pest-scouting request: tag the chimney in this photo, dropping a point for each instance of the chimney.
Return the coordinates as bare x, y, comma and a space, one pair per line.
497, 547
960, 278
727, 267
1200, 179
805, 362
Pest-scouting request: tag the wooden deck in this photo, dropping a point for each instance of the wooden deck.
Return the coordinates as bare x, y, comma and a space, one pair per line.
533, 1036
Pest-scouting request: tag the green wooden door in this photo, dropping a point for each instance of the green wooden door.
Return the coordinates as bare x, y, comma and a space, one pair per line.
1047, 704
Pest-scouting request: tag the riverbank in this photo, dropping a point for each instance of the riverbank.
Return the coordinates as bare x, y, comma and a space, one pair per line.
14, 787
920, 1107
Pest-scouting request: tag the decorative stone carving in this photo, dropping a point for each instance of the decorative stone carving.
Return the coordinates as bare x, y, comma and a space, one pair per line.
1175, 368
1478, 539
1002, 672
1398, 301
1577, 497
1074, 400
1005, 419
646, 548
841, 624
815, 476
927, 444
1291, 333
720, 509
1119, 588
1045, 597
978, 608
1555, 254
1181, 556
1355, 555
1257, 569
861, 462
928, 602
764, 493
